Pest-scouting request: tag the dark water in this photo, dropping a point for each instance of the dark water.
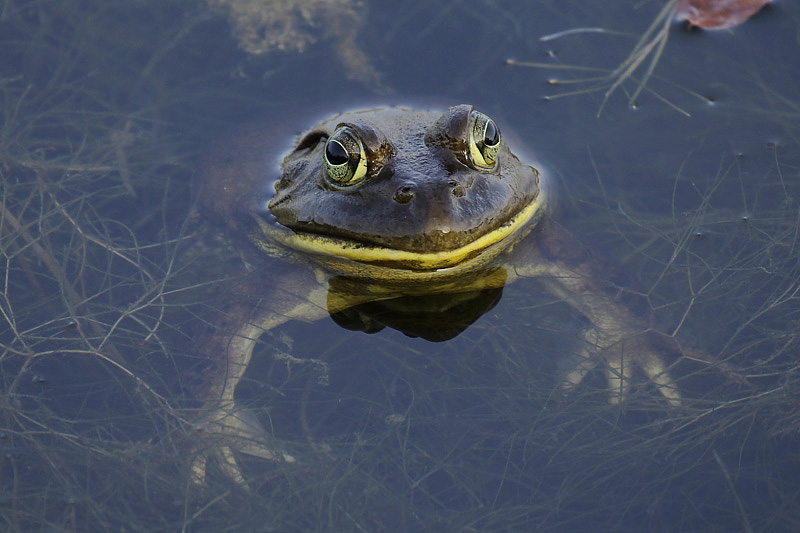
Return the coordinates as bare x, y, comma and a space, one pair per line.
107, 109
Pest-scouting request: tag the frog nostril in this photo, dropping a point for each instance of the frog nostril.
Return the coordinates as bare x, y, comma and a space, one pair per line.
457, 188
404, 194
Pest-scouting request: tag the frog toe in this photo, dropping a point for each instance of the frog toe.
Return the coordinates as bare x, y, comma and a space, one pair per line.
579, 371
658, 374
618, 378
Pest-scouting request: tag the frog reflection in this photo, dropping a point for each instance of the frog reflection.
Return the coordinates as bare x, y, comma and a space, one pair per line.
435, 317
384, 208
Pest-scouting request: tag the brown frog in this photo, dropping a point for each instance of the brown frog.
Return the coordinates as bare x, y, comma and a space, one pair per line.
390, 207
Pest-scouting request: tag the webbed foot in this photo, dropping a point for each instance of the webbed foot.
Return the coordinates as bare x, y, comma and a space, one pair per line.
226, 431
622, 354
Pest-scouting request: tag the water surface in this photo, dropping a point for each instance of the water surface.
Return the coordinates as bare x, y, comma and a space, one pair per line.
107, 109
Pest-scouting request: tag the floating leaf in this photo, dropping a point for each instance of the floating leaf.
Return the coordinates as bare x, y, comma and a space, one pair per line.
718, 14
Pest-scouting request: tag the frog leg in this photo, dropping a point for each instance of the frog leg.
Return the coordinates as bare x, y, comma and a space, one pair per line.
619, 336
224, 427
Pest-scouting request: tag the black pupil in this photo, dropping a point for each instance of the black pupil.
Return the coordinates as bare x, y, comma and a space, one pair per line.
491, 136
336, 154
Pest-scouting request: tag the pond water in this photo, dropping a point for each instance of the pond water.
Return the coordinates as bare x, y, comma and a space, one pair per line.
107, 273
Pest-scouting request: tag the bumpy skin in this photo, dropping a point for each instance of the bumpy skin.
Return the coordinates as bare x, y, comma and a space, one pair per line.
427, 219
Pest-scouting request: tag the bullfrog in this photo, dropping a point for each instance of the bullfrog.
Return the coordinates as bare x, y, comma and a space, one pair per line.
394, 212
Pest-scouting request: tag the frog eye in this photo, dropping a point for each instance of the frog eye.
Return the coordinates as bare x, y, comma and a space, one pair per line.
345, 158
484, 140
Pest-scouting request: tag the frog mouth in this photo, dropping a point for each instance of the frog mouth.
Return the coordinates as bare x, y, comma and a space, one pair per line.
335, 247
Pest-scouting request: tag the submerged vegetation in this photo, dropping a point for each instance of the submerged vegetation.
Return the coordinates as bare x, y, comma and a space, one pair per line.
104, 278
644, 57
263, 26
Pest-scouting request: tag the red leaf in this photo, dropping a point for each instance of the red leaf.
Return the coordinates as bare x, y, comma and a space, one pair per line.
718, 14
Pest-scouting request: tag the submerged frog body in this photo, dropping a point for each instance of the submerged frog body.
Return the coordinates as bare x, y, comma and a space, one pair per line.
389, 210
